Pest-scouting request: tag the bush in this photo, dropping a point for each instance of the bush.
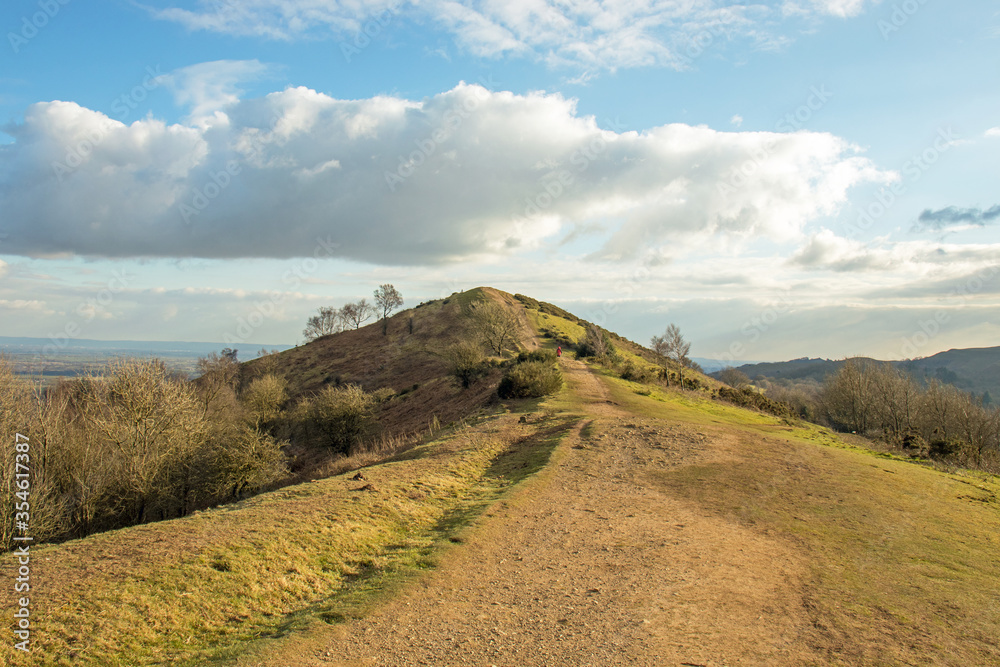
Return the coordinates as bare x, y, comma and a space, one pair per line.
636, 373
596, 343
263, 399
343, 416
467, 362
530, 379
545, 356
748, 397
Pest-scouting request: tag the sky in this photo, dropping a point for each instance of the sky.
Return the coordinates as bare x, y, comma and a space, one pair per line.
780, 179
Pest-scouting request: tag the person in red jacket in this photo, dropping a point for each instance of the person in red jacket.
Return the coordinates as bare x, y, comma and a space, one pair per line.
559, 351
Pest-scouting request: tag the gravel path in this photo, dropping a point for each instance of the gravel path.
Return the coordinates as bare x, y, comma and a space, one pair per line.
593, 564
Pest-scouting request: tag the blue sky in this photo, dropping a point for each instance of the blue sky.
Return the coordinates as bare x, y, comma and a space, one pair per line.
780, 179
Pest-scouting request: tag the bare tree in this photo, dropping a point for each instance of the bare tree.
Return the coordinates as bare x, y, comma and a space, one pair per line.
358, 313
850, 396
495, 324
734, 377
218, 376
327, 321
672, 346
387, 299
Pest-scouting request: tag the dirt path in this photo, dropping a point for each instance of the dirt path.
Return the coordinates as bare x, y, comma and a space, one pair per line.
593, 564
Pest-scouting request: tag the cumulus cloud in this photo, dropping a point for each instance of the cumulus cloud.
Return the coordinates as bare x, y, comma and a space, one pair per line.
992, 133
827, 251
600, 34
464, 173
953, 218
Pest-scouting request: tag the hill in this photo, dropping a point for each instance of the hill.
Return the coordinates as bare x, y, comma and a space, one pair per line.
975, 370
409, 359
616, 522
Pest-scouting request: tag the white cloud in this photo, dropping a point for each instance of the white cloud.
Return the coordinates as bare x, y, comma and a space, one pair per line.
22, 304
736, 120
464, 173
588, 33
824, 250
992, 133
208, 88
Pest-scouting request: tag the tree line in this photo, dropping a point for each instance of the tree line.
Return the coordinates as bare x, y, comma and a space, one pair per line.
882, 401
329, 320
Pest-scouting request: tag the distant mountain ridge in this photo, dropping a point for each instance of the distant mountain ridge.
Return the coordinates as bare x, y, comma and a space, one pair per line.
975, 370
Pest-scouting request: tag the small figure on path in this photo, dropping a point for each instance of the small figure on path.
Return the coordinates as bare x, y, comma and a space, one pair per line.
559, 351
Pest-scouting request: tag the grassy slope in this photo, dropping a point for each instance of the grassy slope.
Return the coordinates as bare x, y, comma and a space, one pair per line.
904, 567
181, 591
400, 360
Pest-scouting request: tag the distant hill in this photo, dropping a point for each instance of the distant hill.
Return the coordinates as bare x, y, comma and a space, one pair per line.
975, 370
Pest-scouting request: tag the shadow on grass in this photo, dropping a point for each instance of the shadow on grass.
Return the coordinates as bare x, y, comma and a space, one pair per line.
372, 583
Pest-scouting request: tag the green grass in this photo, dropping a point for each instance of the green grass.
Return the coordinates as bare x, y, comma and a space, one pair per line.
190, 590
904, 566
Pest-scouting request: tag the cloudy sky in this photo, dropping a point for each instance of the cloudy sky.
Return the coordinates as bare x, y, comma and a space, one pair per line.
781, 179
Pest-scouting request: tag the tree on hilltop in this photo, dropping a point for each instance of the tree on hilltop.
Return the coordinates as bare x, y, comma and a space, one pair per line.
387, 299
328, 321
358, 313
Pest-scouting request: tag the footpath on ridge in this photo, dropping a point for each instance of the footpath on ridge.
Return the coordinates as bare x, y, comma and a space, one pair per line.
590, 564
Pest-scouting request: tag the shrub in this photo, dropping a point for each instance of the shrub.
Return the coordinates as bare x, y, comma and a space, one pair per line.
342, 416
383, 394
467, 362
596, 343
263, 399
748, 397
545, 356
530, 379
636, 373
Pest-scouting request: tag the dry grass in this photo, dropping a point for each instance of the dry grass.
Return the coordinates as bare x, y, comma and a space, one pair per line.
178, 590
903, 557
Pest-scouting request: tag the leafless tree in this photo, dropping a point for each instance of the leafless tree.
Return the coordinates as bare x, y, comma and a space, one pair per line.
734, 377
495, 324
327, 321
356, 314
671, 345
218, 377
387, 299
